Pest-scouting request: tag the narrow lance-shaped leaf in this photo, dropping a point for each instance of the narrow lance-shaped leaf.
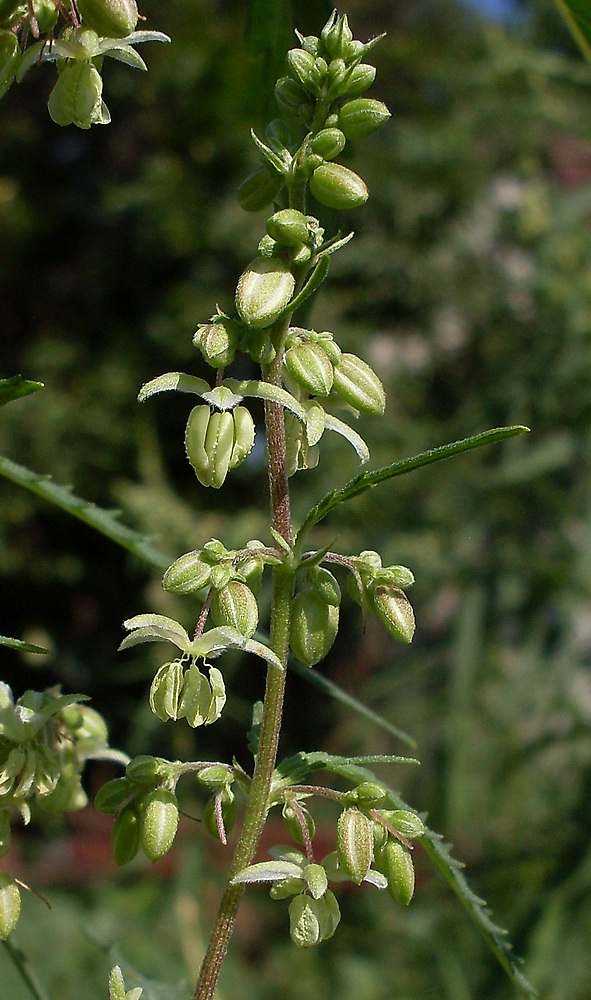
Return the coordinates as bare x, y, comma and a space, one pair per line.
365, 481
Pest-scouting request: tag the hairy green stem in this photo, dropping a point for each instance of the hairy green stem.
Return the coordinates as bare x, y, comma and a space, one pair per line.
258, 797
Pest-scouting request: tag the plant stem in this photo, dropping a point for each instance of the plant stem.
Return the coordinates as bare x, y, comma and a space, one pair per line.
258, 797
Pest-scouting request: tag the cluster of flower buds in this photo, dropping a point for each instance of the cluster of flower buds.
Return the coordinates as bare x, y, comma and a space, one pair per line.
381, 590
92, 29
45, 740
216, 566
145, 807
316, 364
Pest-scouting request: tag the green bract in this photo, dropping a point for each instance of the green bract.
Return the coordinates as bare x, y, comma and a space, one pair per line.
109, 18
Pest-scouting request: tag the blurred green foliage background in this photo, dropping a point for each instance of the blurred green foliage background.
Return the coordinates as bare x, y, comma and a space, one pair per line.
468, 288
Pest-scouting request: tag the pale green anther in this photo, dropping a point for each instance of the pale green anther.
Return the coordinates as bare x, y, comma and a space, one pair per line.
166, 690
76, 97
244, 435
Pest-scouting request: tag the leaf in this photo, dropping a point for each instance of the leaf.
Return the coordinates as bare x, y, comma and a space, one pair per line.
354, 439
314, 281
173, 380
294, 769
268, 392
577, 14
476, 908
21, 645
153, 628
268, 871
104, 521
15, 387
367, 480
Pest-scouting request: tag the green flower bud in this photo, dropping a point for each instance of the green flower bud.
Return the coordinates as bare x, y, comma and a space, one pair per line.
309, 365
358, 385
325, 584
395, 612
394, 576
329, 914
359, 79
159, 823
215, 776
354, 844
166, 690
221, 575
314, 625
218, 341
76, 96
288, 227
10, 905
112, 795
328, 344
268, 247
258, 346
336, 37
263, 291
10, 58
109, 18
244, 434
369, 794
187, 574
300, 65
259, 189
405, 822
237, 607
147, 770
380, 836
362, 117
394, 860
328, 143
338, 187
293, 822
293, 99
125, 835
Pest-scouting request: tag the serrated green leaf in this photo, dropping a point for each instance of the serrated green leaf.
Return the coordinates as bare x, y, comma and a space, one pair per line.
15, 387
104, 521
21, 645
367, 480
